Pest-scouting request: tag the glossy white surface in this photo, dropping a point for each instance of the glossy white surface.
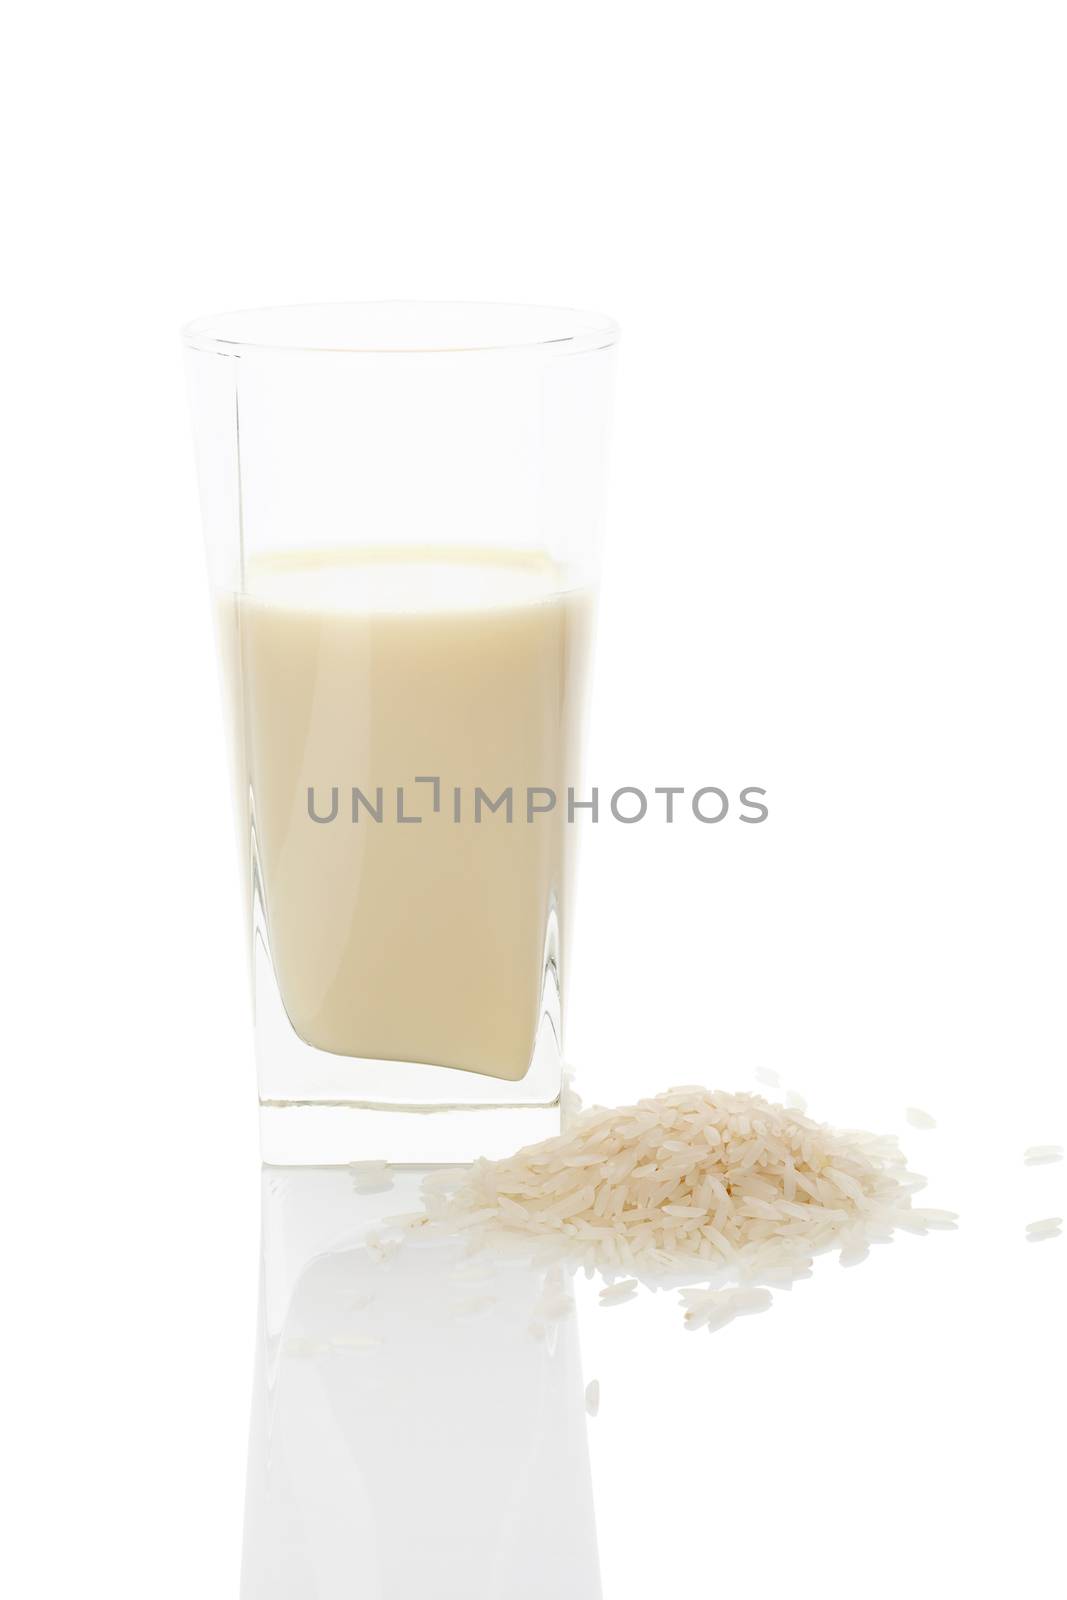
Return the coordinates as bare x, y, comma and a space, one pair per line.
417, 1428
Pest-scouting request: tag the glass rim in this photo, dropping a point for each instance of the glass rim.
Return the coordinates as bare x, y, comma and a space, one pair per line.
466, 327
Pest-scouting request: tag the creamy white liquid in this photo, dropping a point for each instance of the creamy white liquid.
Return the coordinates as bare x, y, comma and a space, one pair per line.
414, 942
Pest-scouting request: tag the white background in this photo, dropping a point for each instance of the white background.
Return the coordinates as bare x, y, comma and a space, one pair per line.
834, 236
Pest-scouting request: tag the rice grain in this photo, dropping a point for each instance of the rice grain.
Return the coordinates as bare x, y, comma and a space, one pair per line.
1038, 1155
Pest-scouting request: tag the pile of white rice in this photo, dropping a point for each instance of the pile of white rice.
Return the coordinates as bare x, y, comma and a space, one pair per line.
693, 1182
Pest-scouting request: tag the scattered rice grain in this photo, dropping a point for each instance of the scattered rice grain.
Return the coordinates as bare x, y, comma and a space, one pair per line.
1046, 1228
1038, 1155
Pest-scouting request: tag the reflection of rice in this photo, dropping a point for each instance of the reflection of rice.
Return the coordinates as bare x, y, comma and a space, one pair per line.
371, 1177
714, 1308
616, 1294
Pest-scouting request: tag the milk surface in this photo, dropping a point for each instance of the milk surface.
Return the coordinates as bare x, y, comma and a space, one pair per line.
428, 941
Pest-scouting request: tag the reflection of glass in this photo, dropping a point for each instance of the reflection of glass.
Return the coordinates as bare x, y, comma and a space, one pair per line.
410, 1435
403, 508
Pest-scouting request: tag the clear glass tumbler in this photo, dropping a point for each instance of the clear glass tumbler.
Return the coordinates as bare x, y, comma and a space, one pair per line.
403, 506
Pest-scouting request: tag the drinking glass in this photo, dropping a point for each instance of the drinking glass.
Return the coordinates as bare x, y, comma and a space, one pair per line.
403, 506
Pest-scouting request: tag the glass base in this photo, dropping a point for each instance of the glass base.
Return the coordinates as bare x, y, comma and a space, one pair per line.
310, 1135
322, 1110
